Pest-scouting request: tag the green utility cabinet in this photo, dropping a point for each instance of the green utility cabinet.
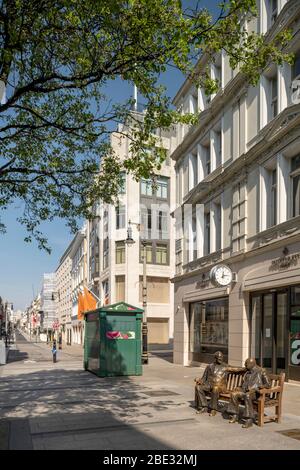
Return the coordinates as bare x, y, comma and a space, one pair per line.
112, 340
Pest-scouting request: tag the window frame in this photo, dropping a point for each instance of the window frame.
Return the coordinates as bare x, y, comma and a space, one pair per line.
274, 97
274, 198
162, 183
148, 184
120, 217
120, 249
165, 252
207, 233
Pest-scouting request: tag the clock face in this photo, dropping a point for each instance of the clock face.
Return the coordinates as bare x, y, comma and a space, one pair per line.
222, 275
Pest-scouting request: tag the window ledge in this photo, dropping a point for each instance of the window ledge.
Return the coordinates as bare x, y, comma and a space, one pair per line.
203, 261
272, 234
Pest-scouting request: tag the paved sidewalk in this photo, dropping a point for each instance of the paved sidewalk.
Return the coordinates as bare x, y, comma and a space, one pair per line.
60, 406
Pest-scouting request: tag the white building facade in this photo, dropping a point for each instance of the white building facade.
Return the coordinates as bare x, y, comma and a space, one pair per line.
115, 268
238, 185
78, 254
64, 301
48, 303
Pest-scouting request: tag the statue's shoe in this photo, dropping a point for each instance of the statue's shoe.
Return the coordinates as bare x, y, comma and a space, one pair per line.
212, 413
201, 411
233, 419
247, 424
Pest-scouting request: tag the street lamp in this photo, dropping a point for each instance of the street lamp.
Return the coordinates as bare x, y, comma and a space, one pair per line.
130, 241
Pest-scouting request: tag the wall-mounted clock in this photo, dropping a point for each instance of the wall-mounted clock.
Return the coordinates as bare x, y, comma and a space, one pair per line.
221, 275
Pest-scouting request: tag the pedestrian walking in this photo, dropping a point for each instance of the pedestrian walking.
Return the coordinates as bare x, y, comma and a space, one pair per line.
54, 351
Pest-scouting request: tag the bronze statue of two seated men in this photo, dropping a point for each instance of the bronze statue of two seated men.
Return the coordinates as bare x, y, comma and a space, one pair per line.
214, 381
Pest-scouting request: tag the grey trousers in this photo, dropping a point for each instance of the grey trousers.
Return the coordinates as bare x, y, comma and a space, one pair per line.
237, 397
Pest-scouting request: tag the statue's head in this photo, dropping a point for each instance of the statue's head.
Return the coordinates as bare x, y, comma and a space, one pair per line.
250, 363
218, 357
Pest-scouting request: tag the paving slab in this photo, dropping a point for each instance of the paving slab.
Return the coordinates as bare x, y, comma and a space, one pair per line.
61, 406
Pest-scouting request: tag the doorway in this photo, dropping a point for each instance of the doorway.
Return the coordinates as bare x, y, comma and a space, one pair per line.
269, 330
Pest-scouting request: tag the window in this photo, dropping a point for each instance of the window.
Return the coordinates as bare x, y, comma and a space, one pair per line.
120, 217
162, 188
149, 219
273, 10
216, 70
161, 254
146, 222
105, 220
178, 256
157, 290
123, 183
207, 162
273, 206
120, 252
274, 97
194, 101
120, 288
295, 175
148, 253
146, 187
208, 325
105, 289
207, 233
296, 66
218, 144
162, 224
105, 252
218, 222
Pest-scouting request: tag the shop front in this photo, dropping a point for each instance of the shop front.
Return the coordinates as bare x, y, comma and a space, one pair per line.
257, 312
208, 329
275, 330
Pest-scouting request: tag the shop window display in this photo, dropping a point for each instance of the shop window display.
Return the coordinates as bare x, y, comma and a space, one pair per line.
209, 326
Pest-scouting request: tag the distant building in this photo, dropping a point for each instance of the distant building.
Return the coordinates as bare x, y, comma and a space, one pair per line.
48, 302
78, 254
64, 301
115, 269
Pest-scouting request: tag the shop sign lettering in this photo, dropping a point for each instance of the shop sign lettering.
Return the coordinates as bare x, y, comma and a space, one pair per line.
295, 356
285, 261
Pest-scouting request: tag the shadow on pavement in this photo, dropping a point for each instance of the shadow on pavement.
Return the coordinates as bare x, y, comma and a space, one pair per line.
15, 355
163, 351
75, 409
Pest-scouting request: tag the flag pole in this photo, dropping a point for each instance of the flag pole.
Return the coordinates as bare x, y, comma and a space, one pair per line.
91, 292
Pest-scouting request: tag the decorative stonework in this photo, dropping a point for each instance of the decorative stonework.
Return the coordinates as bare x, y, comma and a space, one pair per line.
290, 227
202, 262
285, 122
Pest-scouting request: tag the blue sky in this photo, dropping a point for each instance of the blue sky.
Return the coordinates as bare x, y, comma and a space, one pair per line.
23, 264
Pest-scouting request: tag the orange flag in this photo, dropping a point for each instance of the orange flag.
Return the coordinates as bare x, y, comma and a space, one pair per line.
90, 302
81, 306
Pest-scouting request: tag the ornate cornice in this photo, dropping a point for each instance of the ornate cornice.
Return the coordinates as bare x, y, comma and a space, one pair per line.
286, 18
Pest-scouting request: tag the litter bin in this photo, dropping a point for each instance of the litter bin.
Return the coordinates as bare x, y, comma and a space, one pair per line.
112, 341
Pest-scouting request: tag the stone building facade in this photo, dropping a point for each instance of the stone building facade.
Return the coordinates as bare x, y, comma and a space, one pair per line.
238, 186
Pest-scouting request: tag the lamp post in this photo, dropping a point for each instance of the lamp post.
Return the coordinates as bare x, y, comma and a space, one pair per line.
130, 241
145, 358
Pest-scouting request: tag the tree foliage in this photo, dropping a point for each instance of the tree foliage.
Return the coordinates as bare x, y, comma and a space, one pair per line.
57, 56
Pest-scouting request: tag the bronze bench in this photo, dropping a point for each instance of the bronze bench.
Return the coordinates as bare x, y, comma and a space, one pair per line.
268, 397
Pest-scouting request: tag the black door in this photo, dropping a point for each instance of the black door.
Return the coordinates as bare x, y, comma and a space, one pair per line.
294, 334
269, 330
